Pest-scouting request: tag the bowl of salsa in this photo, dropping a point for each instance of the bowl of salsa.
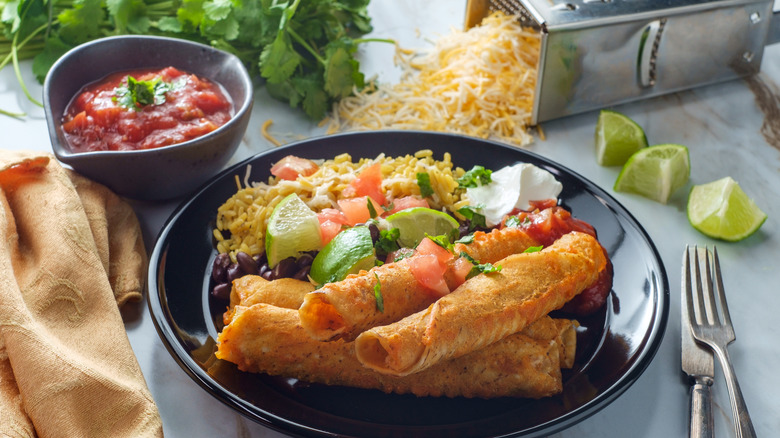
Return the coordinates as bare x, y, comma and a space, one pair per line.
152, 118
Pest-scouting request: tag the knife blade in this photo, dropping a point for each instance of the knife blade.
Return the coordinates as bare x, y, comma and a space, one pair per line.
697, 363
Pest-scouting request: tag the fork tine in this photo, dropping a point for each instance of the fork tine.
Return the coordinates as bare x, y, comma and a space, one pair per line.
724, 307
688, 286
709, 292
700, 306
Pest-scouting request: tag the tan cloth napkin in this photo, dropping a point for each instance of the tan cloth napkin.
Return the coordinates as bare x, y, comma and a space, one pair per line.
72, 253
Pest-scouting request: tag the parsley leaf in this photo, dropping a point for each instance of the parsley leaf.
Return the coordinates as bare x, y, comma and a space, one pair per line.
475, 177
424, 182
137, 94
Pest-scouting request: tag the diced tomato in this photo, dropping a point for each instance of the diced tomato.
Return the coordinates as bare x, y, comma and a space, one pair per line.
430, 273
356, 209
460, 269
369, 183
290, 167
429, 247
547, 225
332, 221
407, 202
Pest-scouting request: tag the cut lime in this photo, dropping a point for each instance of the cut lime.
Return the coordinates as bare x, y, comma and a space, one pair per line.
722, 210
414, 223
617, 138
655, 172
349, 252
293, 228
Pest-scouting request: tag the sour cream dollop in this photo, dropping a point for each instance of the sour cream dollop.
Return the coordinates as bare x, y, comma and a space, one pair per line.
513, 187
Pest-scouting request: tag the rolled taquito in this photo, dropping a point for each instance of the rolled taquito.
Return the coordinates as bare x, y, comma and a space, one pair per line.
344, 309
486, 308
268, 339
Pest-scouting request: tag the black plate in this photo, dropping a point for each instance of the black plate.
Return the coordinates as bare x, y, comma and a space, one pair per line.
615, 346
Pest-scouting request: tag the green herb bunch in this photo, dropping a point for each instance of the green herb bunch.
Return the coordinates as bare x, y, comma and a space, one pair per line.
302, 49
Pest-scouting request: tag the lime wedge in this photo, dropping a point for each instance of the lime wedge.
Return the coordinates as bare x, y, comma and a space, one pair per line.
655, 172
349, 252
414, 223
293, 228
617, 138
722, 210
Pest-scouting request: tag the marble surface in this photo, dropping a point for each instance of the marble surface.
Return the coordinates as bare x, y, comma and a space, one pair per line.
732, 129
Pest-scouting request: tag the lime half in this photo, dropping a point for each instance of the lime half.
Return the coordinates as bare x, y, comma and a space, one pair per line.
722, 210
349, 252
414, 223
655, 172
617, 138
293, 228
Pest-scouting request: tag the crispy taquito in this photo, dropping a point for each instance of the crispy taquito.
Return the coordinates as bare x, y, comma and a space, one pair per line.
268, 339
344, 309
486, 308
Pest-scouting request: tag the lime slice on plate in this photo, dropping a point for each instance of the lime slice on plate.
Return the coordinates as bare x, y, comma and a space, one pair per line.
655, 172
293, 228
617, 138
414, 223
721, 209
349, 252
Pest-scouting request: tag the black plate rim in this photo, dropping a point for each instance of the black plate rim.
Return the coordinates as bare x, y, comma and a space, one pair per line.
158, 306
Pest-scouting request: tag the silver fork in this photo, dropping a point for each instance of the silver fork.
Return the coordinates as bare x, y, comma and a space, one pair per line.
715, 330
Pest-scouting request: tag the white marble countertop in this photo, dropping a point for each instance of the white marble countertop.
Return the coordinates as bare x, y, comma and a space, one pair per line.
730, 129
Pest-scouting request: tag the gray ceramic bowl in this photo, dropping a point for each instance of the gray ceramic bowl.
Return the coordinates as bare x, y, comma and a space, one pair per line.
152, 174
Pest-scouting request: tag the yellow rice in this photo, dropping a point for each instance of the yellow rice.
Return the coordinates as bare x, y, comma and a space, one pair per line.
241, 220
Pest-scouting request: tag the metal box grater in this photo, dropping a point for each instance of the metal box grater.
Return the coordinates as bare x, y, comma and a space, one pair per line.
599, 53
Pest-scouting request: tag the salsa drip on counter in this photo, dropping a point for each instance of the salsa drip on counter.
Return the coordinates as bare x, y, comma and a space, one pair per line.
144, 109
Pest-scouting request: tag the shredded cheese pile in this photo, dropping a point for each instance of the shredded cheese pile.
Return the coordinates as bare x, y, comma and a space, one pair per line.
478, 82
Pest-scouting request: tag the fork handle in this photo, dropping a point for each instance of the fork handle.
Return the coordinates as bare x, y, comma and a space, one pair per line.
701, 408
743, 425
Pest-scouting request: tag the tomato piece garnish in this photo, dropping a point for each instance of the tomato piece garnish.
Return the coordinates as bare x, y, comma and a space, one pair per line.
407, 202
369, 183
290, 167
429, 247
356, 209
429, 272
332, 221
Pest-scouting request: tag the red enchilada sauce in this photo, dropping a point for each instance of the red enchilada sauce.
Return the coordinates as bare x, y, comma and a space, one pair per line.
101, 119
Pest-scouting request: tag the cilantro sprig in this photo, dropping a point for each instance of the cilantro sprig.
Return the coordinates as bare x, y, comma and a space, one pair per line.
303, 50
477, 176
137, 94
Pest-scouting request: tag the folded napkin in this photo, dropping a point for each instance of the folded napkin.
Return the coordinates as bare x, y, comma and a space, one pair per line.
72, 253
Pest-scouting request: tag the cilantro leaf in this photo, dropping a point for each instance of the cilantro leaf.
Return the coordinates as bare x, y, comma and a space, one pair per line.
512, 221
475, 177
531, 249
424, 182
479, 268
137, 94
476, 220
380, 302
468, 238
388, 241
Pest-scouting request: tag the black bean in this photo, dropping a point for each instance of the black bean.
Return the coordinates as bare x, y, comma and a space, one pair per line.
374, 230
302, 273
234, 271
221, 291
305, 260
263, 269
268, 275
285, 268
247, 263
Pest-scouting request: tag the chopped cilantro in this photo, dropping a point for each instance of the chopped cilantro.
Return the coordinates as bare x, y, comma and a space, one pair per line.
442, 240
475, 177
424, 182
512, 221
533, 249
403, 253
476, 220
371, 210
137, 94
388, 241
479, 268
468, 238
380, 303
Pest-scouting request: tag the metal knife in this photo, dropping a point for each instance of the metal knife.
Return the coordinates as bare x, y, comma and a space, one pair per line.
697, 363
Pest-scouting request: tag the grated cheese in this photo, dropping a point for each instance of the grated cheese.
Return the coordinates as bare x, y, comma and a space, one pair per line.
478, 82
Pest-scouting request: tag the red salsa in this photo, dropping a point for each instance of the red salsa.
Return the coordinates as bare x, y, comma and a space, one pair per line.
105, 116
